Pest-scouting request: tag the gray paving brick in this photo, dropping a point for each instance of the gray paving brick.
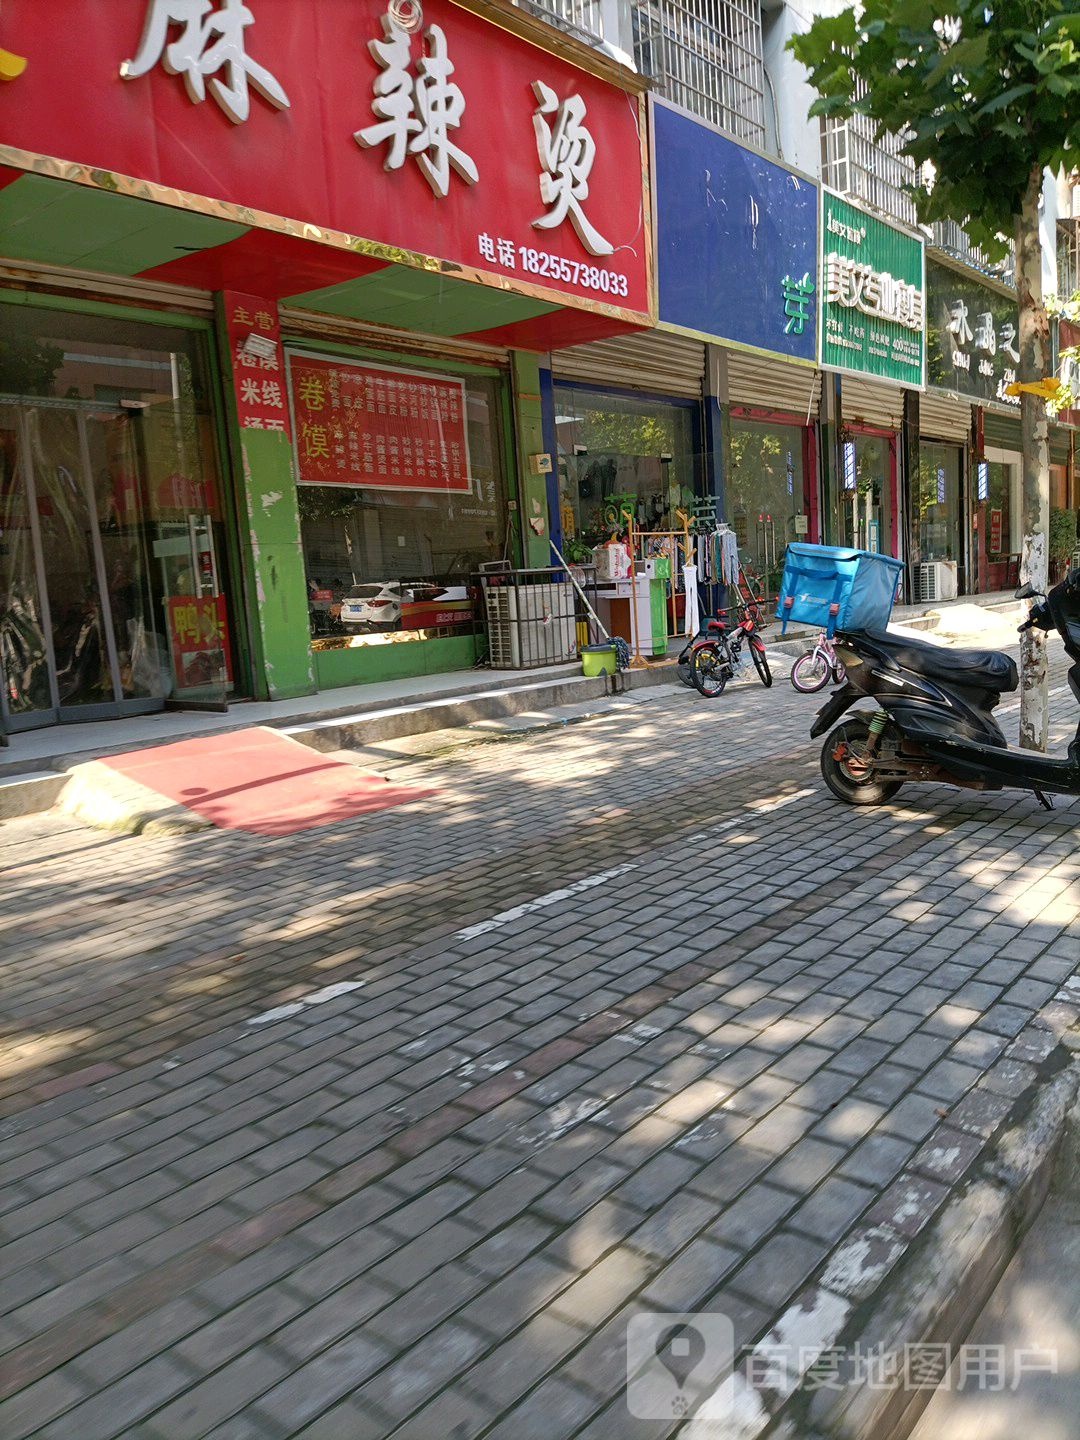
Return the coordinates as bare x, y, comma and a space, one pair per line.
327, 1378
118, 1409
754, 1215
694, 1274
512, 1300
832, 1209
913, 1117
779, 1269
517, 1364
39, 1403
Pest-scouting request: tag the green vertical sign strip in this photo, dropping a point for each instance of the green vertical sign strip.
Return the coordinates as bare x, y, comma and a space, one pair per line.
873, 295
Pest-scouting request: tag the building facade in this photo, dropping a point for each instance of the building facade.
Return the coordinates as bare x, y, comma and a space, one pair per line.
273, 289
307, 313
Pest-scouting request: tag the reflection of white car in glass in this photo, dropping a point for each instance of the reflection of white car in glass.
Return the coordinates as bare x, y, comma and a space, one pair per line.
377, 605
409, 605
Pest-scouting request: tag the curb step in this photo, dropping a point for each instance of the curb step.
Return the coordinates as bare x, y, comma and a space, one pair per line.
478, 712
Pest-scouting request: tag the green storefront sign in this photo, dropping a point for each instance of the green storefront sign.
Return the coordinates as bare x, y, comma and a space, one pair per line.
873, 295
972, 341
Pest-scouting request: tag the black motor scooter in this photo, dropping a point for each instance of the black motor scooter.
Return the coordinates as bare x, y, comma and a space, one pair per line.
934, 717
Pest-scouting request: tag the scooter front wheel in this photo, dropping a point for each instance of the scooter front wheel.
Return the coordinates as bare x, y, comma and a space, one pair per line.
847, 765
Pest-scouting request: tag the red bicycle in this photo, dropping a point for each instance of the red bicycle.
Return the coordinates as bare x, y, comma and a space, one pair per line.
714, 660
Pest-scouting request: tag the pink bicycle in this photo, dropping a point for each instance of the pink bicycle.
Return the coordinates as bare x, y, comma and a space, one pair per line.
813, 671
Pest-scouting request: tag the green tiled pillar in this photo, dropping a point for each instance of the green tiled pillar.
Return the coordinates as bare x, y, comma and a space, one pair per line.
270, 547
529, 442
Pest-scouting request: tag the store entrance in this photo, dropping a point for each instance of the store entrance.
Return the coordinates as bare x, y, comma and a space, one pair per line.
868, 483
110, 592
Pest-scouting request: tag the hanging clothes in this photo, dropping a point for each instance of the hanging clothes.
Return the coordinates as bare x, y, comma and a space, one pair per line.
693, 614
729, 555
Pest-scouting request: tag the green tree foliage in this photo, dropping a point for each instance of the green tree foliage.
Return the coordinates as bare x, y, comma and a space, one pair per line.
987, 93
984, 90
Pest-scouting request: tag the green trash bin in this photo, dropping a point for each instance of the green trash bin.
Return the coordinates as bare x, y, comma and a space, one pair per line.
598, 659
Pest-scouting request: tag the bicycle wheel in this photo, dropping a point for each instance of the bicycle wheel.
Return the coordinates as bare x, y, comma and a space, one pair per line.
710, 669
810, 673
761, 660
682, 667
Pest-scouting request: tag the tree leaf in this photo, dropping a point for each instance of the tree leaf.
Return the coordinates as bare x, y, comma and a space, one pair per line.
1005, 99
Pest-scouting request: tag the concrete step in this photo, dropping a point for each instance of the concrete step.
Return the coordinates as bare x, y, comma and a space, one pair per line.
30, 793
454, 712
480, 710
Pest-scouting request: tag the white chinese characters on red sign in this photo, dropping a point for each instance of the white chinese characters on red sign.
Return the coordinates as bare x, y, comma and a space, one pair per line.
258, 373
379, 428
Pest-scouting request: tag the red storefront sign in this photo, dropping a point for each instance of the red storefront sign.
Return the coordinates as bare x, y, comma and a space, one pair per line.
462, 141
199, 635
258, 374
995, 532
386, 429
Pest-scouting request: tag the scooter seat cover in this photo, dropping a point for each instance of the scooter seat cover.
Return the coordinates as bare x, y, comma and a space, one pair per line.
985, 669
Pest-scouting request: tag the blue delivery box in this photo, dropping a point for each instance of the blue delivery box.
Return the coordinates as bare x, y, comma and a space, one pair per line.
834, 588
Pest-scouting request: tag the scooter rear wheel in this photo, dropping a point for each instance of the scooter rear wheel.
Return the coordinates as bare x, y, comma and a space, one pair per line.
847, 766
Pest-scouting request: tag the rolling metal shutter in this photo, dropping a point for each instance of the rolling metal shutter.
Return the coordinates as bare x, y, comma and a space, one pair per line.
309, 327
1001, 431
54, 279
1060, 441
866, 402
651, 360
761, 383
942, 418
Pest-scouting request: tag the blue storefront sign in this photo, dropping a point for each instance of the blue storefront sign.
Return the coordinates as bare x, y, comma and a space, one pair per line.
736, 249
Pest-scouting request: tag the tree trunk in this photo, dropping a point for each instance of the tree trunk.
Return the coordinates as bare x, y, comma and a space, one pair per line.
1034, 364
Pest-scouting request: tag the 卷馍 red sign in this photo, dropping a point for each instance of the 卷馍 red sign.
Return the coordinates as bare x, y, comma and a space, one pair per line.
380, 428
459, 140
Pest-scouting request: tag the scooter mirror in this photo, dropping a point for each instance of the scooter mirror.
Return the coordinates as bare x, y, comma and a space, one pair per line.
1027, 592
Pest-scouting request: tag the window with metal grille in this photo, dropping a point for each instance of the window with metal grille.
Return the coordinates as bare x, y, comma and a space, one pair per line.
706, 56
1068, 258
857, 164
584, 19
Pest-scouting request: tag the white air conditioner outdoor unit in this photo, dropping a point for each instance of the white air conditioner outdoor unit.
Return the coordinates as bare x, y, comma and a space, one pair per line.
935, 580
530, 625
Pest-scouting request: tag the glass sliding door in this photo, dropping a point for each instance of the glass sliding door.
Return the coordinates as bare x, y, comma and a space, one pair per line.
866, 508
71, 554
112, 584
28, 686
767, 493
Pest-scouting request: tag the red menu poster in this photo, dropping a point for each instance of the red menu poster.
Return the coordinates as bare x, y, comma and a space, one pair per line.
381, 428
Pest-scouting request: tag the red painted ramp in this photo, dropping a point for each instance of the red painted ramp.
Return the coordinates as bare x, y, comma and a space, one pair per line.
261, 781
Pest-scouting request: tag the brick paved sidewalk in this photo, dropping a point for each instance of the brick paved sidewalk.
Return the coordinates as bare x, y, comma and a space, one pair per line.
737, 1064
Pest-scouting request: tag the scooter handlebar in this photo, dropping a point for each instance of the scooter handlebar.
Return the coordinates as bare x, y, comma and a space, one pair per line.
1038, 619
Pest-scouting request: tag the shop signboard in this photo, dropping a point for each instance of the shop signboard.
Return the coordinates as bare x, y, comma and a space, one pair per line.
382, 428
736, 248
995, 532
451, 139
873, 302
254, 330
973, 336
